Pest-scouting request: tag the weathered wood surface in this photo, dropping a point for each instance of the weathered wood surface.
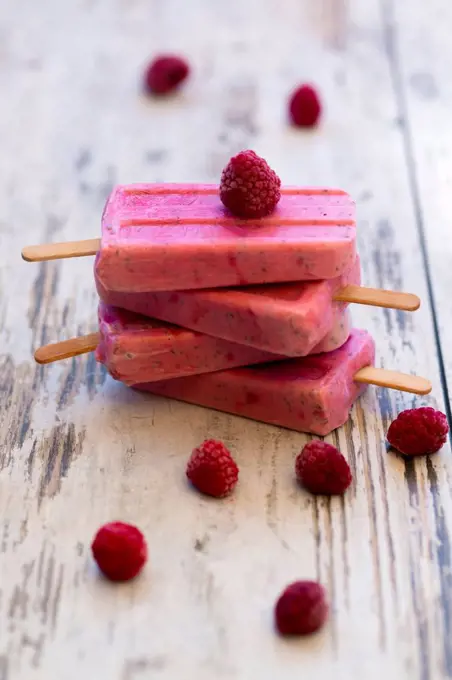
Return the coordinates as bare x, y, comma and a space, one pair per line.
77, 449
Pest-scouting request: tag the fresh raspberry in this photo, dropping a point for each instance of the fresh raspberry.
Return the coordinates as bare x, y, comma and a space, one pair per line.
417, 431
322, 469
212, 470
120, 551
249, 188
305, 107
301, 609
165, 73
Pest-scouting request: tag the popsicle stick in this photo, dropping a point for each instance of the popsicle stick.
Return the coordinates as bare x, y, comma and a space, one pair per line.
60, 251
67, 348
370, 375
377, 297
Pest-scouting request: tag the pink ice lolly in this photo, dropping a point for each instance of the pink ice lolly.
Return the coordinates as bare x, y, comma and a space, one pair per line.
288, 319
312, 394
138, 349
180, 237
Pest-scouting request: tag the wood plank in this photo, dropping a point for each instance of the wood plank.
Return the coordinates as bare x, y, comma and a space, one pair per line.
423, 89
78, 449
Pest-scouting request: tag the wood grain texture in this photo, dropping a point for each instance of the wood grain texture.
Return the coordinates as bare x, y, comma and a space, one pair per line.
78, 449
424, 93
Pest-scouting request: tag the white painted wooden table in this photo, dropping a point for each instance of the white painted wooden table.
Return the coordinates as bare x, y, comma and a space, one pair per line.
77, 449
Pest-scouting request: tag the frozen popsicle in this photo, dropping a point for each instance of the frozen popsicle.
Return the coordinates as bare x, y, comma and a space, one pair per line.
168, 237
312, 394
288, 319
138, 349
180, 236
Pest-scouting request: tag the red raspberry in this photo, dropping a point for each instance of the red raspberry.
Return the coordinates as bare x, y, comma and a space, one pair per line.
305, 107
418, 431
301, 609
322, 469
249, 188
165, 73
120, 551
212, 470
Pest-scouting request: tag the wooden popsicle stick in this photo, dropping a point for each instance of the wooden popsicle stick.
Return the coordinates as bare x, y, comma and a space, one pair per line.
67, 348
60, 251
377, 297
370, 375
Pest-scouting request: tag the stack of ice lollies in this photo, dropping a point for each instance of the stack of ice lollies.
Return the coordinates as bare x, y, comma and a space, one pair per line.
249, 317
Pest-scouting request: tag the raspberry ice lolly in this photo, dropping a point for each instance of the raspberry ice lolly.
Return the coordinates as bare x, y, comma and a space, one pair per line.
171, 237
138, 349
288, 319
312, 394
180, 237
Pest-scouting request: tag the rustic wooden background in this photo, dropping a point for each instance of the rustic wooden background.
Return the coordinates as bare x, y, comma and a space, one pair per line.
77, 449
